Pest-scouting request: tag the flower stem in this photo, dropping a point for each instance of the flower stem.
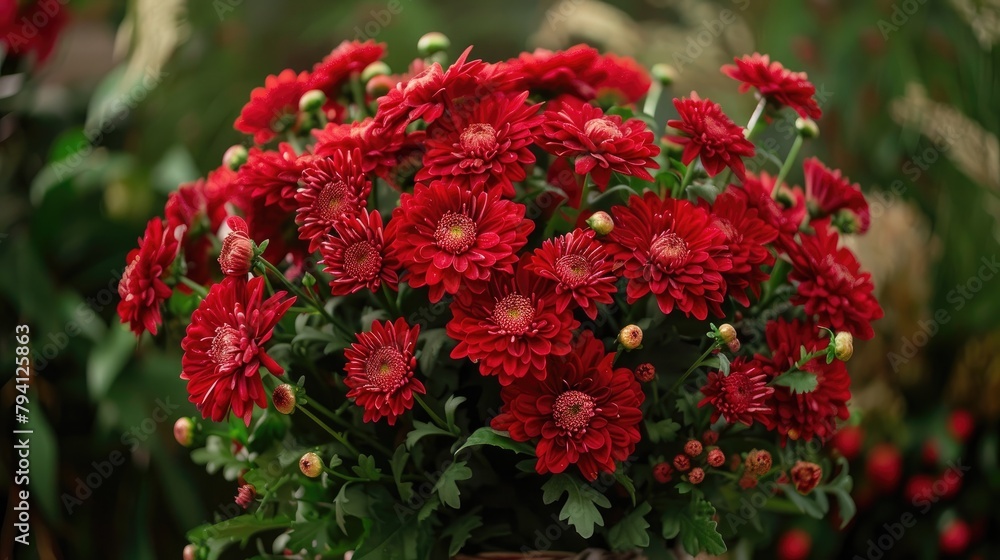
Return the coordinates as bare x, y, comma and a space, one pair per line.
307, 299
754, 118
693, 367
359, 95
810, 357
679, 188
390, 301
336, 435
652, 99
430, 412
792, 155
195, 287
347, 426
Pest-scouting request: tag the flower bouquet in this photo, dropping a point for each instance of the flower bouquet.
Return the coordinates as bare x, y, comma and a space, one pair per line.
462, 309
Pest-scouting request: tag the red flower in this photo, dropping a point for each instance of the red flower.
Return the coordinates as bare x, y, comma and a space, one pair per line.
20, 32
707, 132
577, 71
672, 249
272, 108
600, 143
199, 209
141, 287
380, 367
741, 396
812, 414
779, 86
584, 412
349, 57
358, 257
513, 328
581, 268
449, 237
627, 81
828, 193
785, 214
332, 189
484, 144
393, 156
805, 476
236, 256
747, 237
273, 176
224, 348
830, 284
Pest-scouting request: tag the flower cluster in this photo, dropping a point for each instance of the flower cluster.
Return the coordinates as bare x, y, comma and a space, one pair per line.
490, 232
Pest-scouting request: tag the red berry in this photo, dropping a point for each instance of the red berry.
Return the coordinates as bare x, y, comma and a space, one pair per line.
884, 467
662, 472
794, 544
682, 463
716, 458
848, 442
955, 537
696, 475
961, 424
693, 448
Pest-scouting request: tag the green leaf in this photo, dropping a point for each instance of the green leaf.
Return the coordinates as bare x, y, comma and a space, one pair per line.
625, 481
705, 190
366, 468
581, 505
489, 436
841, 487
631, 532
672, 523
421, 430
450, 406
662, 431
698, 531
447, 485
460, 530
798, 381
807, 505
398, 463
435, 341
216, 538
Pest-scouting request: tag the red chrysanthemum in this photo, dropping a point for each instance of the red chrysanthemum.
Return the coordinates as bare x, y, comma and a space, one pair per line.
392, 156
672, 249
272, 176
580, 266
708, 133
141, 287
513, 328
224, 348
332, 188
828, 193
199, 209
330, 74
785, 214
781, 87
747, 237
449, 238
626, 80
812, 414
380, 368
830, 284
585, 412
600, 143
741, 396
272, 108
577, 71
358, 256
483, 144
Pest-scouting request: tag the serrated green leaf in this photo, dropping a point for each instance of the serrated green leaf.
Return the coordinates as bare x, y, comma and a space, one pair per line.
581, 505
447, 485
672, 522
366, 468
398, 463
421, 430
664, 431
460, 530
798, 381
631, 532
489, 436
806, 504
699, 531
626, 481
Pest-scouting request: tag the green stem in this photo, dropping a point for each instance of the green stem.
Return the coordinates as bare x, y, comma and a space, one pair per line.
652, 99
789, 161
195, 287
757, 112
437, 419
390, 301
693, 367
359, 95
336, 435
809, 357
347, 426
585, 192
679, 188
318, 306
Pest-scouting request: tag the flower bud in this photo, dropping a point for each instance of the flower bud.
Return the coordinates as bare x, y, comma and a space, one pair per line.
433, 42
379, 86
716, 458
311, 465
377, 68
844, 345
664, 73
645, 372
630, 337
235, 157
663, 472
758, 462
184, 431
710, 437
601, 223
245, 495
236, 257
190, 552
682, 463
283, 398
807, 128
312, 100
806, 476
748, 481
696, 475
693, 448
728, 333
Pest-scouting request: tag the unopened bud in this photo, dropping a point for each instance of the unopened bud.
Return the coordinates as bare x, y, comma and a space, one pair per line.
807, 128
806, 476
379, 86
693, 448
312, 100
184, 431
236, 257
630, 337
601, 222
235, 157
844, 345
283, 398
716, 458
377, 68
727, 332
709, 437
758, 462
245, 495
682, 463
664, 73
696, 475
662, 473
311, 465
433, 42
190, 552
645, 372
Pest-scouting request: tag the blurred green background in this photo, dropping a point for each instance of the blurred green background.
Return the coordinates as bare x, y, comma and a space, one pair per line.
911, 101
